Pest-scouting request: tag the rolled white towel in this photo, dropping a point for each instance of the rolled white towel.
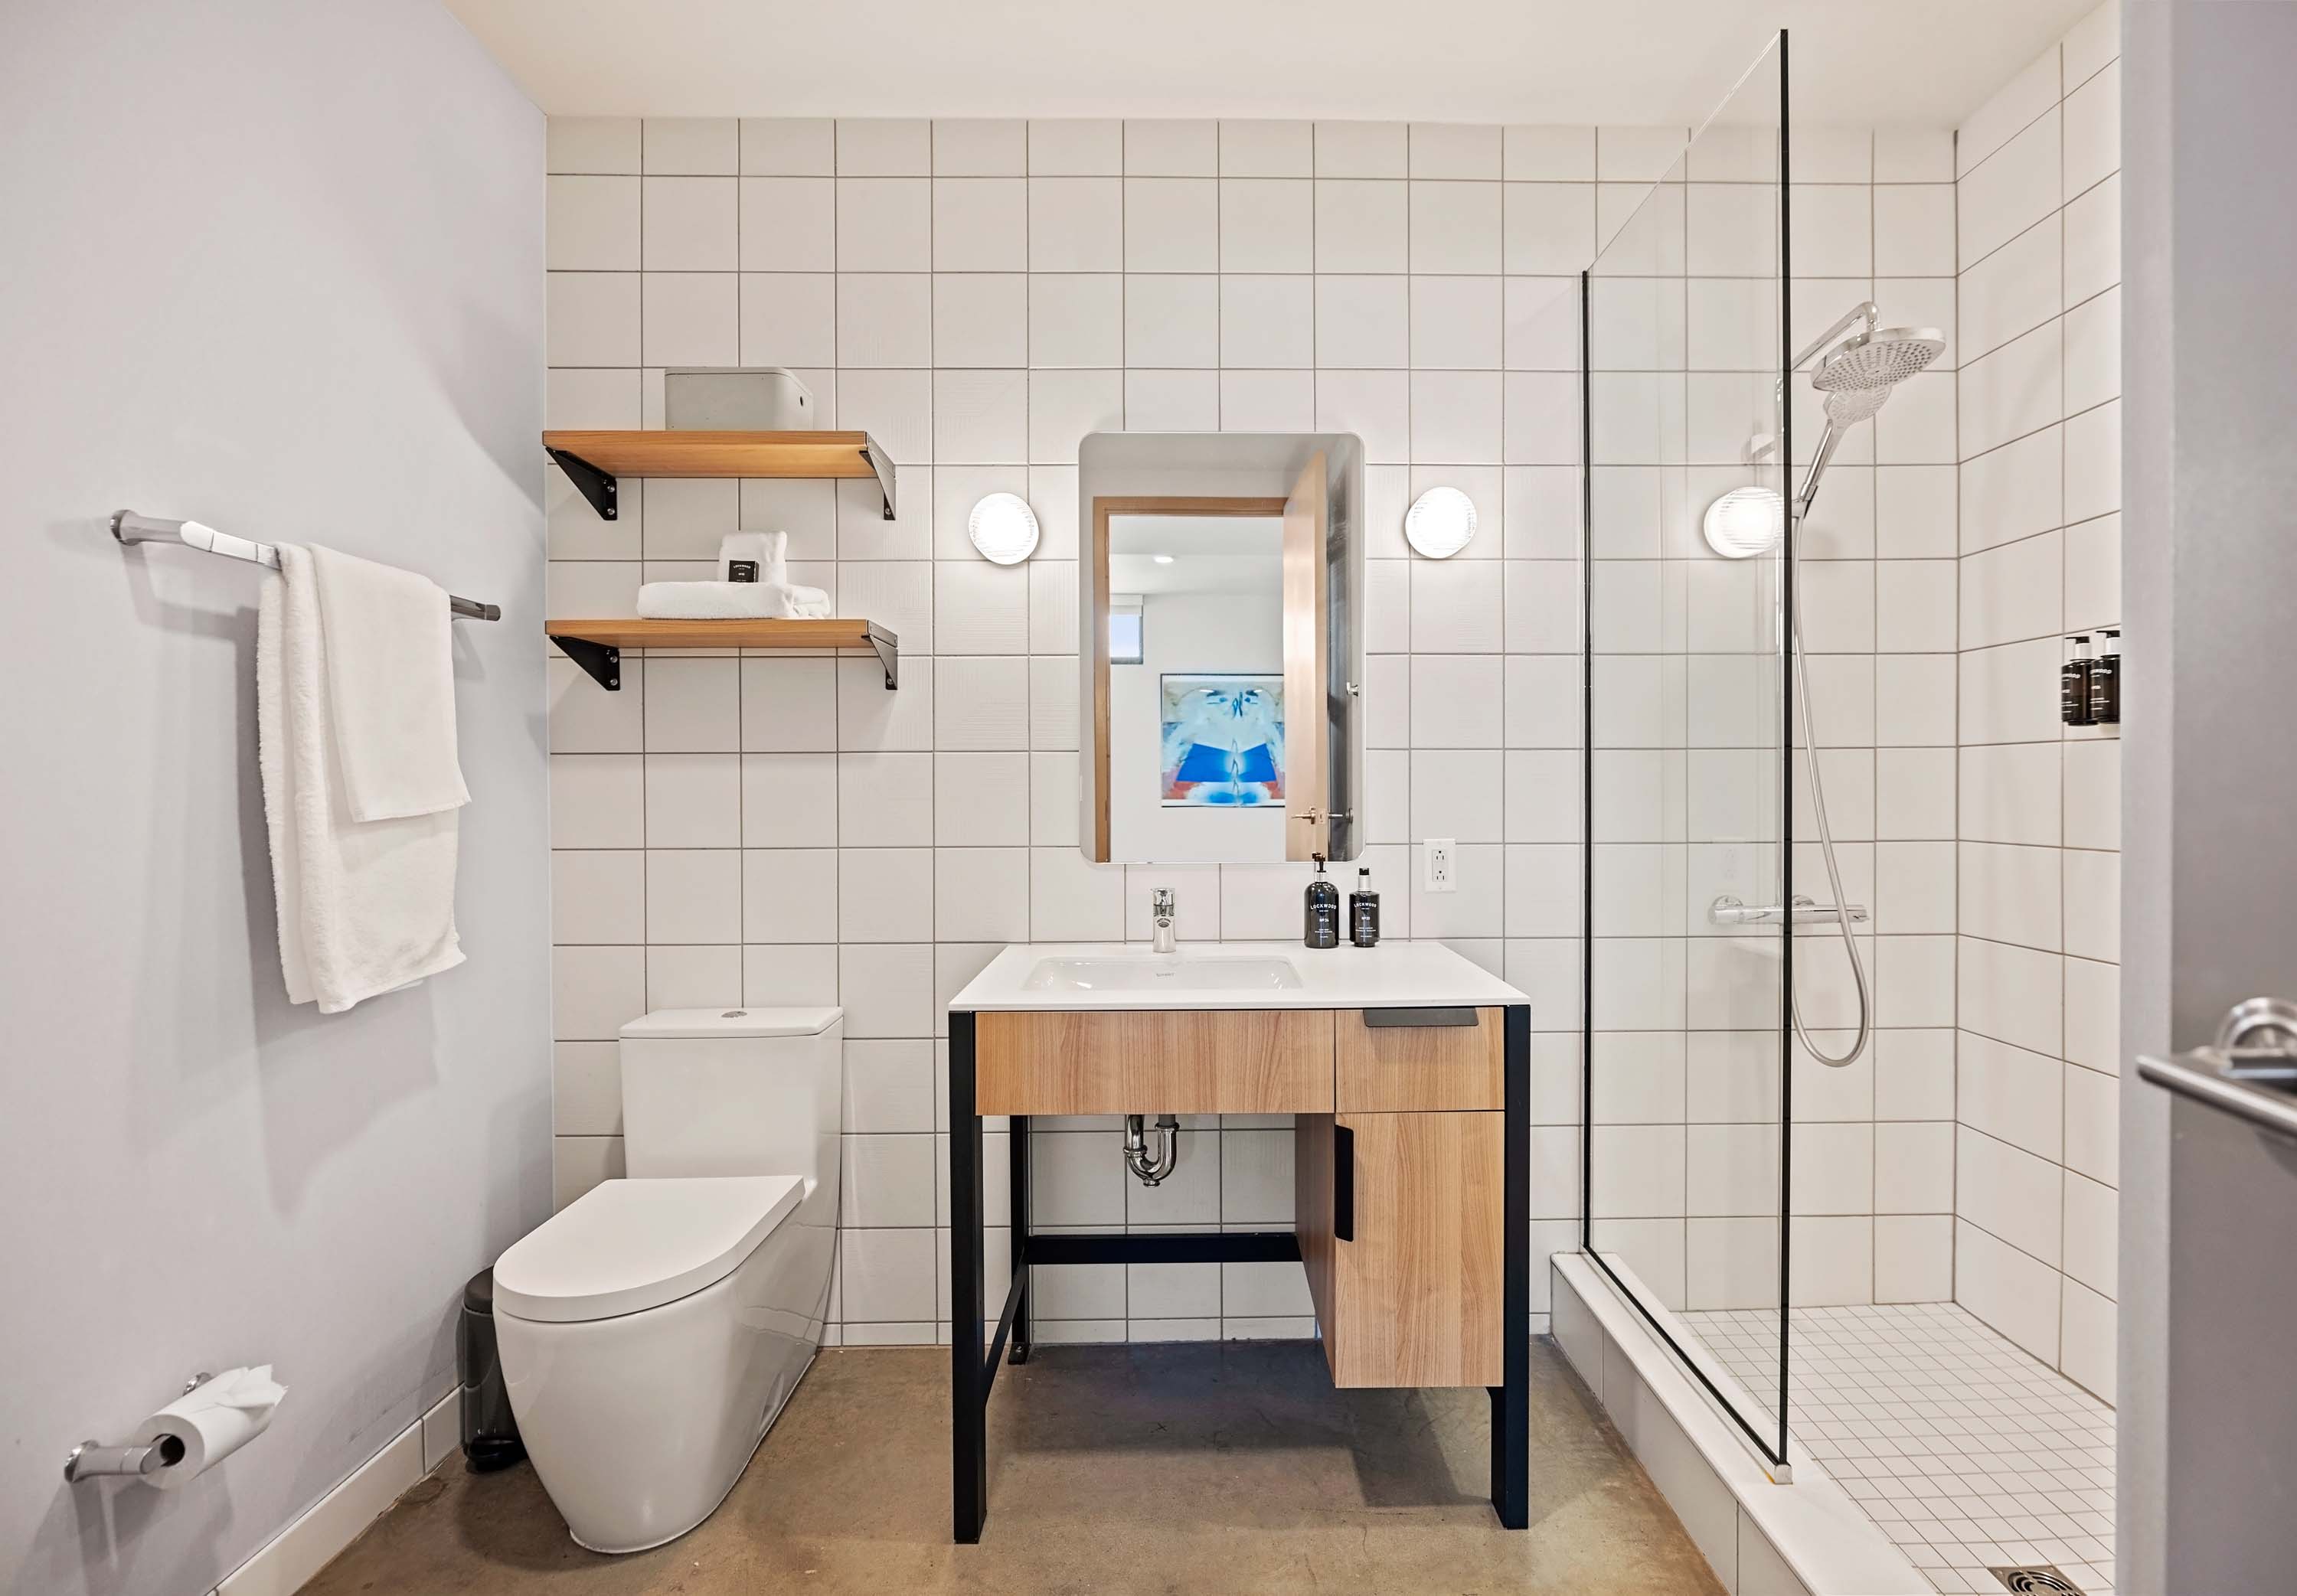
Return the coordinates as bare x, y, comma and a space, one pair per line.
812, 603
767, 552
711, 601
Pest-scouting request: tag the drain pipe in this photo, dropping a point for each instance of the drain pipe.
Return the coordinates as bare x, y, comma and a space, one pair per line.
1151, 1171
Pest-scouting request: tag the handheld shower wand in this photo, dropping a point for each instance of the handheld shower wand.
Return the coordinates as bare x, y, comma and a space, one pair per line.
1857, 377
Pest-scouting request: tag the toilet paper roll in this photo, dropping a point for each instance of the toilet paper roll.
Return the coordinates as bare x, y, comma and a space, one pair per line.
213, 1420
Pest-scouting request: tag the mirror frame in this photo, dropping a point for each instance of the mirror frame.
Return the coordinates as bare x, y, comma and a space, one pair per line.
1105, 507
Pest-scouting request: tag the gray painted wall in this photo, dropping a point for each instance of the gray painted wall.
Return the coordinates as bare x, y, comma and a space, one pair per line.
2208, 1417
272, 266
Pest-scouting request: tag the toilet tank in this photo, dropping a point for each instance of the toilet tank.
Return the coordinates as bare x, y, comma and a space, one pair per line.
735, 1091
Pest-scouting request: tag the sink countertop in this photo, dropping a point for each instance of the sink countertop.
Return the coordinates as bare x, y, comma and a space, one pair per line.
1402, 975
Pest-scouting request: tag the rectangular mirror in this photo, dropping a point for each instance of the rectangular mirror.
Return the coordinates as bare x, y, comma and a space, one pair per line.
1220, 579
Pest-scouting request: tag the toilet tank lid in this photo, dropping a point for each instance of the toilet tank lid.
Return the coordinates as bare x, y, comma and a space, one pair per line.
733, 1022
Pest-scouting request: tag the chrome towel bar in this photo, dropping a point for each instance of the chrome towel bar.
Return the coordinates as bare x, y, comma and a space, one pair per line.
129, 527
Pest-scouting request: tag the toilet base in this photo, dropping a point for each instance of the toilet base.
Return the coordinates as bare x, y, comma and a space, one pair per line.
638, 1426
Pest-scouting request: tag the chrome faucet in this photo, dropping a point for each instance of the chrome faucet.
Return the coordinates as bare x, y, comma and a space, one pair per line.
1160, 910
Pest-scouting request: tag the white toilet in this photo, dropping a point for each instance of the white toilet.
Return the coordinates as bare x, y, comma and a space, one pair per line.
651, 1330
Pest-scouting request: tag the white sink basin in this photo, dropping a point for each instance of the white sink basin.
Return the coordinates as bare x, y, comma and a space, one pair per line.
1163, 973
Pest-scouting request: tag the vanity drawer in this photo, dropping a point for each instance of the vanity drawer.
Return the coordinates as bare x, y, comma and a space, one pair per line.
1194, 1061
1422, 1058
1402, 1222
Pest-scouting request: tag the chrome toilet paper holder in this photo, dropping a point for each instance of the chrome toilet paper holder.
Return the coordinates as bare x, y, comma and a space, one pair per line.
92, 1460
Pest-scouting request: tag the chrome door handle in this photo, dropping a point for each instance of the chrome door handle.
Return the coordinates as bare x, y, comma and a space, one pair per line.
2251, 1071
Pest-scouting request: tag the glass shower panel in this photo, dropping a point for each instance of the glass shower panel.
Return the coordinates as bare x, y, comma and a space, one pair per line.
1685, 1137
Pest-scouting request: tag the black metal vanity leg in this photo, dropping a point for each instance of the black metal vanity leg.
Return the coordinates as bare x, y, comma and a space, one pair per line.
1511, 1400
1018, 1143
968, 1380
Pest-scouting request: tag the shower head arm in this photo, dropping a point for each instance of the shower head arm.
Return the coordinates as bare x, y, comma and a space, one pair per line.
1865, 312
1829, 439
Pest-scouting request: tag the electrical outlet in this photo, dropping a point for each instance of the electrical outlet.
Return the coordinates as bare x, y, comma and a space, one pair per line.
1440, 854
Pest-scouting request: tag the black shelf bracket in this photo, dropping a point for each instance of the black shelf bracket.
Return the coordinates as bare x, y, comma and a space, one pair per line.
888, 650
884, 471
603, 661
598, 486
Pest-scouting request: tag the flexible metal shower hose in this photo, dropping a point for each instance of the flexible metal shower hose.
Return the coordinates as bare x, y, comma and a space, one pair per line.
1826, 850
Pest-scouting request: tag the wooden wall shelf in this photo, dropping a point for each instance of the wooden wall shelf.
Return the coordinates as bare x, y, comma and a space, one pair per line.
593, 461
597, 645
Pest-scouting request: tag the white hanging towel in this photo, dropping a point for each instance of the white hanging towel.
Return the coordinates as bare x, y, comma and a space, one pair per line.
365, 906
390, 685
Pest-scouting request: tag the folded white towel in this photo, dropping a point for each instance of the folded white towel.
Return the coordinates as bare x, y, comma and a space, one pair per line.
767, 551
390, 687
812, 603
708, 601
365, 906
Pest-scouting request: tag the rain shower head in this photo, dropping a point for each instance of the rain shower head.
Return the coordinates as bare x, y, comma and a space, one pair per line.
1857, 374
1857, 377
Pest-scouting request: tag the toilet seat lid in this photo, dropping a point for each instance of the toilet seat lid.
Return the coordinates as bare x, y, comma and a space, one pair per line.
625, 1245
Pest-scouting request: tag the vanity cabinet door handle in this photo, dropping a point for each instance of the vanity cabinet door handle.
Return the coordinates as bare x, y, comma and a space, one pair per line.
1417, 1019
1344, 1183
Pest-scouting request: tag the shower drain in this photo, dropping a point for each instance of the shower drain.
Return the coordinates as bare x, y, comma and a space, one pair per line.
2042, 1581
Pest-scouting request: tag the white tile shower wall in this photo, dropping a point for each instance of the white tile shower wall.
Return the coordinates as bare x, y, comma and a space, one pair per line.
1684, 346
2037, 203
979, 296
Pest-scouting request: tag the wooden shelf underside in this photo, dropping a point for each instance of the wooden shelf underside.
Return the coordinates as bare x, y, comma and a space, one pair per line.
837, 632
661, 453
597, 645
596, 461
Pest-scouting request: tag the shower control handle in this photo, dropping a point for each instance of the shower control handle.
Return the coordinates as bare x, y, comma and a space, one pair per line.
1728, 910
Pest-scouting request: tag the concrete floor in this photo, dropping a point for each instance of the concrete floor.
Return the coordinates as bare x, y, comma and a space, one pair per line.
1169, 1470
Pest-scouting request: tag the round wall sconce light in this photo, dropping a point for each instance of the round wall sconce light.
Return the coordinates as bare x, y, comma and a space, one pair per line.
1745, 522
1003, 528
1440, 523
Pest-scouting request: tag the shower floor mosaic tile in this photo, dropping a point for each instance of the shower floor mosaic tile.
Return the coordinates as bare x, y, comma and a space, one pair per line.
1969, 1453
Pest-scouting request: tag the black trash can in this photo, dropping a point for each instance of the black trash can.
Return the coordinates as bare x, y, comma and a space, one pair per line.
489, 1429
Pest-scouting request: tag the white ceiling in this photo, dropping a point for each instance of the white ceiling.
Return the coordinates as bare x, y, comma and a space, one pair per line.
1864, 62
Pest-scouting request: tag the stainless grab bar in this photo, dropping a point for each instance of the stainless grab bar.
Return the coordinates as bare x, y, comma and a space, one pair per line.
1728, 910
2201, 1076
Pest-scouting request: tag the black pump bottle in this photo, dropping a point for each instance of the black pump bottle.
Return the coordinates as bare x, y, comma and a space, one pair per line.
1322, 928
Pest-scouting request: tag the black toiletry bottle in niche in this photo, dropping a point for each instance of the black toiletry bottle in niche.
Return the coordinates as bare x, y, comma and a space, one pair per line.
1323, 911
2073, 682
1363, 910
2105, 681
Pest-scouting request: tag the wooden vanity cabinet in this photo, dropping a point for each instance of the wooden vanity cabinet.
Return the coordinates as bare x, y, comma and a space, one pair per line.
1399, 1152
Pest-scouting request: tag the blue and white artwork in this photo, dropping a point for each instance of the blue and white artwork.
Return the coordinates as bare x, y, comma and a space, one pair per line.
1223, 741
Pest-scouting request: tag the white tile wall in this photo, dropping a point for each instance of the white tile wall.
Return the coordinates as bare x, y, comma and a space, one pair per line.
1686, 770
2038, 208
979, 295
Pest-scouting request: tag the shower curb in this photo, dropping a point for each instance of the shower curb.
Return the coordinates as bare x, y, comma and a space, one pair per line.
1762, 1538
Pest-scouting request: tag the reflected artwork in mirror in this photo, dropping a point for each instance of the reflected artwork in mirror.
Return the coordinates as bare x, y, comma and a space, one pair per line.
1223, 741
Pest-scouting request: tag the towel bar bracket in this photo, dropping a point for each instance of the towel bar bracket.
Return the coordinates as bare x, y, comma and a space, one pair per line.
599, 487
603, 661
889, 656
